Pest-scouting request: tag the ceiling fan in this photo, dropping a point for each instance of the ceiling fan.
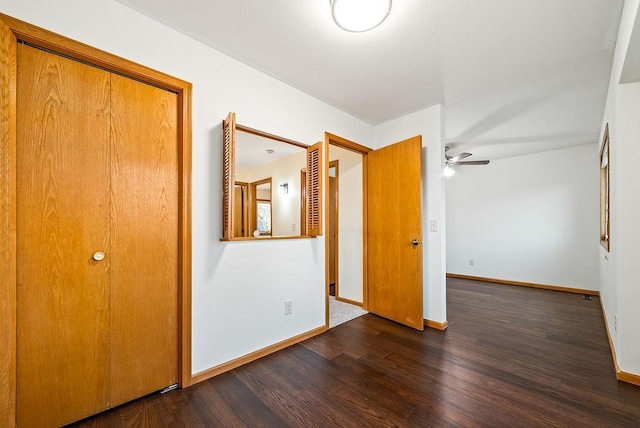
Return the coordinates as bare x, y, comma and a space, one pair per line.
450, 161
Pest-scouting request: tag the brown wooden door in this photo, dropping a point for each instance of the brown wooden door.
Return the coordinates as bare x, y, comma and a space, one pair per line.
7, 229
394, 220
62, 219
96, 172
144, 239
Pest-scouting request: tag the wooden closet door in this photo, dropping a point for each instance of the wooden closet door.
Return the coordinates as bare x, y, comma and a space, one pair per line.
62, 220
144, 242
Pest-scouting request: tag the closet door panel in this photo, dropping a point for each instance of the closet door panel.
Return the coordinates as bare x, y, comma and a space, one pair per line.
144, 290
62, 220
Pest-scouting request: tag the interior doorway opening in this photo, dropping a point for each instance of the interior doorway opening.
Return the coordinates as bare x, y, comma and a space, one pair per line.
345, 226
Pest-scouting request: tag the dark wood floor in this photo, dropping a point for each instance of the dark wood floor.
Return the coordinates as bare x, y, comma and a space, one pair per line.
512, 357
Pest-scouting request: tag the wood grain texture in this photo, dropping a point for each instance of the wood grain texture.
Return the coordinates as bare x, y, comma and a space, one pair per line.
349, 301
259, 133
365, 226
631, 378
315, 178
512, 356
38, 36
436, 324
338, 141
333, 197
228, 174
611, 347
394, 219
63, 218
29, 33
7, 225
526, 284
620, 375
184, 231
144, 239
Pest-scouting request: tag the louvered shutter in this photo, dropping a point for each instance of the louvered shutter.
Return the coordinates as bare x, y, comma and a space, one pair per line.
228, 162
314, 190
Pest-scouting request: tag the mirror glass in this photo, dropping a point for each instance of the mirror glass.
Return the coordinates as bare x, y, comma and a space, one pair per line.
268, 186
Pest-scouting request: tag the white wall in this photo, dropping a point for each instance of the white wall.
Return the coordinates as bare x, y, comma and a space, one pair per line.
530, 218
350, 229
285, 209
619, 269
429, 124
237, 308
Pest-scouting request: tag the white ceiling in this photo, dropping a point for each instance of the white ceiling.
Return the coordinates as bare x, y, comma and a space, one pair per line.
515, 76
251, 150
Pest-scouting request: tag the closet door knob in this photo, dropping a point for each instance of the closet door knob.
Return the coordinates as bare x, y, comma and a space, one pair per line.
98, 256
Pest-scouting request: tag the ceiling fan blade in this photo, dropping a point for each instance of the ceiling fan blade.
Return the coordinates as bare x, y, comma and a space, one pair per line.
482, 162
459, 157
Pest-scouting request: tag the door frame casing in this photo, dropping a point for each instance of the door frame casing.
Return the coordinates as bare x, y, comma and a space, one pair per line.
20, 31
335, 140
334, 164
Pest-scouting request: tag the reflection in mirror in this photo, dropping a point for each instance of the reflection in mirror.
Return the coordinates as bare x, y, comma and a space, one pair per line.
291, 206
241, 209
260, 213
264, 218
272, 171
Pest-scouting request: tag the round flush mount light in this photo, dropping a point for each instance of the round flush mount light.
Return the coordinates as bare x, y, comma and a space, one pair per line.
358, 16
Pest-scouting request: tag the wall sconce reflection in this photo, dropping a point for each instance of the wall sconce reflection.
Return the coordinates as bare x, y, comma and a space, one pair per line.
284, 189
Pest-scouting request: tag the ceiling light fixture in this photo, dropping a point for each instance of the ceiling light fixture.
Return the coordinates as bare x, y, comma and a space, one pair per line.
358, 16
448, 171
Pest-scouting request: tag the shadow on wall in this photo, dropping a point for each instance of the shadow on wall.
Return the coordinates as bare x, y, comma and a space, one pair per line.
213, 192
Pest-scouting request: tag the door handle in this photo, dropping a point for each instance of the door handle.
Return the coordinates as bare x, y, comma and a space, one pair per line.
98, 256
415, 242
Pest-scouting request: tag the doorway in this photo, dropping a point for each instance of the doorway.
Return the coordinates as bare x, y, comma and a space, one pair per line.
389, 259
345, 233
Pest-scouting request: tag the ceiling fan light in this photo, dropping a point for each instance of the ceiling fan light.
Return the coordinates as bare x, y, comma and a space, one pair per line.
358, 16
448, 171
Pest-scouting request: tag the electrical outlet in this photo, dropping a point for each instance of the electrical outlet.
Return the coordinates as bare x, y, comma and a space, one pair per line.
293, 227
288, 307
615, 322
471, 262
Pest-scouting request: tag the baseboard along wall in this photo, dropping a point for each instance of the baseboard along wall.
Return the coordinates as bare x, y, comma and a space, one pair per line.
620, 375
526, 284
245, 359
436, 324
349, 301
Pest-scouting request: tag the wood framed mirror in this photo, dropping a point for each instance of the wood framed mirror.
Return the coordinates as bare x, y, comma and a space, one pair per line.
267, 181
